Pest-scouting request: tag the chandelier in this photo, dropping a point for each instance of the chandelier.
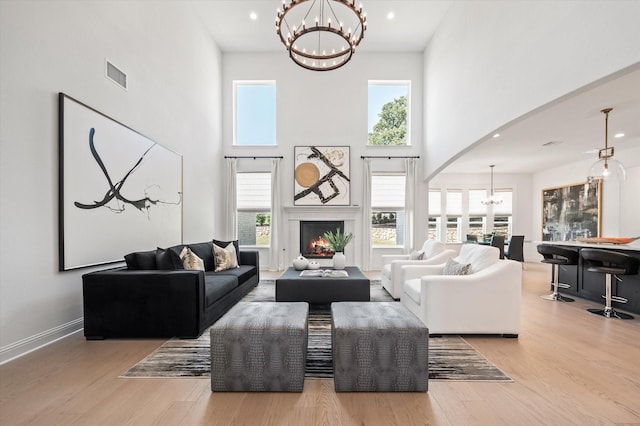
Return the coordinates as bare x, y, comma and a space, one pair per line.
606, 168
323, 36
492, 200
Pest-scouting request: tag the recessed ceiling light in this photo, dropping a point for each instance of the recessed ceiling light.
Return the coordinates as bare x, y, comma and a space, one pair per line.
253, 16
496, 135
391, 15
619, 135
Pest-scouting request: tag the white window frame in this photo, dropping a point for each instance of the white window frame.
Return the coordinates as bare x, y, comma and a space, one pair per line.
253, 209
463, 217
238, 83
388, 209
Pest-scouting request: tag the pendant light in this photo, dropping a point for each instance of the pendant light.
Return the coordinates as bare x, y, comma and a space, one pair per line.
492, 200
606, 168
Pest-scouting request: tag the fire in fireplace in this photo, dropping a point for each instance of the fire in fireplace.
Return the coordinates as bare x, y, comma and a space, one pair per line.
313, 245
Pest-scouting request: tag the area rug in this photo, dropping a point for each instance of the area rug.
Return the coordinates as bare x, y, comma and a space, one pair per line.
450, 357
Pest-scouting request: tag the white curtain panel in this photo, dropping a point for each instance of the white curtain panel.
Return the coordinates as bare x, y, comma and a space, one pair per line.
232, 200
409, 203
276, 208
366, 216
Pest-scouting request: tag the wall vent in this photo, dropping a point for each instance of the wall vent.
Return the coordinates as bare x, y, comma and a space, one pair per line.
116, 75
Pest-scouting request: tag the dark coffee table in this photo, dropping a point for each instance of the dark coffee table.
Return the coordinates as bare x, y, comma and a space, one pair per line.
291, 287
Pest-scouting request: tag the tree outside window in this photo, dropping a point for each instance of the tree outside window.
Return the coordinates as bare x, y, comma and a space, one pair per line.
388, 113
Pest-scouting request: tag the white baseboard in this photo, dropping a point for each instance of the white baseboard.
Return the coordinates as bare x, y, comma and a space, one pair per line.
37, 341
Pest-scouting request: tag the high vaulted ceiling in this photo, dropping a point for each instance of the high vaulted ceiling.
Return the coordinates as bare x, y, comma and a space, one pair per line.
573, 124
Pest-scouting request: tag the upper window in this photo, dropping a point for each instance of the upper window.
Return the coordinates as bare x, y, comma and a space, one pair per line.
389, 113
254, 209
387, 210
254, 118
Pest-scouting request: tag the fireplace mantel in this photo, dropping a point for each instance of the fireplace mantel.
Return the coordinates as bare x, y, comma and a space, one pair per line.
294, 214
306, 211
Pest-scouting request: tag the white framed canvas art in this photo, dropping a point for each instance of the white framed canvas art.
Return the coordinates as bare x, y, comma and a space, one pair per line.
119, 191
321, 176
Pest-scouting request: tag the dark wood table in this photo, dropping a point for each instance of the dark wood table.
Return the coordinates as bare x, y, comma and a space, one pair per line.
291, 287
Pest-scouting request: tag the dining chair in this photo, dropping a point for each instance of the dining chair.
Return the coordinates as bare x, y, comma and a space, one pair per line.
498, 241
515, 251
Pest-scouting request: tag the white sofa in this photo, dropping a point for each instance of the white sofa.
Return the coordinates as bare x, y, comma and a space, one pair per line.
433, 253
486, 301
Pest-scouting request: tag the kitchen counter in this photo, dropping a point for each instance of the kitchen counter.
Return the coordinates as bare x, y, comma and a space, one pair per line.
591, 285
633, 246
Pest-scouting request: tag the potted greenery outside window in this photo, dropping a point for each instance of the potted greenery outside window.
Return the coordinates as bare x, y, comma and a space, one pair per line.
338, 241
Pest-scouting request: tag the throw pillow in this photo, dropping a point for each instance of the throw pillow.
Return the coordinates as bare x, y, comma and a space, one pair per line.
141, 260
167, 259
225, 244
190, 261
225, 257
416, 255
454, 268
205, 252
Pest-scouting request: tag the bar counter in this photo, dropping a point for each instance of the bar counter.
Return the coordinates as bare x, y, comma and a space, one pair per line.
591, 285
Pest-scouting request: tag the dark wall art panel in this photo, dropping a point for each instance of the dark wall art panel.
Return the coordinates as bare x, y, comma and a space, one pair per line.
119, 191
571, 212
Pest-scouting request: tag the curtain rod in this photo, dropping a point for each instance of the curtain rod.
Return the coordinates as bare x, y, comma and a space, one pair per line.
252, 156
388, 157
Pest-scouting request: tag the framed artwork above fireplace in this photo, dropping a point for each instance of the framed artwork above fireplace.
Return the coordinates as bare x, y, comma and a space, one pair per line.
321, 176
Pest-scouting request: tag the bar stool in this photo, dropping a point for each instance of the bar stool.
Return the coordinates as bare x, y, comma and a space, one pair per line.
557, 256
610, 263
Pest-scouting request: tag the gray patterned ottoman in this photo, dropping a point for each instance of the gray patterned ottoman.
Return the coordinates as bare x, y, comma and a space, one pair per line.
260, 347
378, 347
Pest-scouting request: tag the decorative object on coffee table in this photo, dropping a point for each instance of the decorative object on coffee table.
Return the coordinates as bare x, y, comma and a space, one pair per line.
300, 263
338, 241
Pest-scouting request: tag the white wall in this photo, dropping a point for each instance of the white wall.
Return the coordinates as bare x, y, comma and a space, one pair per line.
491, 62
323, 108
48, 47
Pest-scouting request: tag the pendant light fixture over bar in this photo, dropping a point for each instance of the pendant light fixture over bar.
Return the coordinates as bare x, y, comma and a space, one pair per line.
606, 168
321, 35
492, 200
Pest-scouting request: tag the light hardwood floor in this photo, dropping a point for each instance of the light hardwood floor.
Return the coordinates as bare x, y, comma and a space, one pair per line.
569, 368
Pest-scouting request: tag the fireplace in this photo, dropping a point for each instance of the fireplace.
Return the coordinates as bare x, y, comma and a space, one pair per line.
313, 245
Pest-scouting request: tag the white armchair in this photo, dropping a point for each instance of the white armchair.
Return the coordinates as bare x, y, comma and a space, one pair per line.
486, 301
432, 253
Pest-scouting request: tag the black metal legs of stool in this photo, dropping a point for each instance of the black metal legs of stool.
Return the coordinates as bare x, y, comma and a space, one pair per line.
556, 285
611, 264
557, 256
